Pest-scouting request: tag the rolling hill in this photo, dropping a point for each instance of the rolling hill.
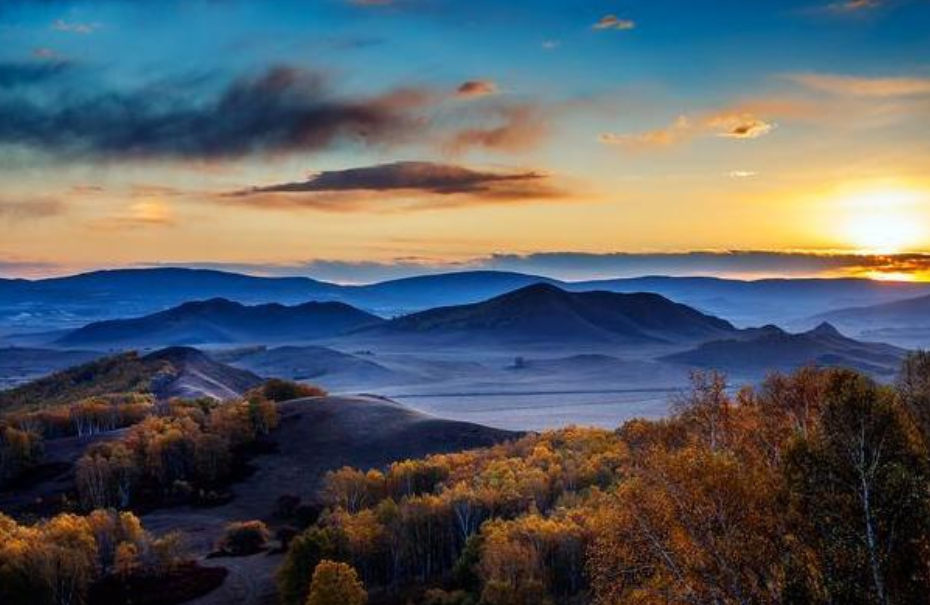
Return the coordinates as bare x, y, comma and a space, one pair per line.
326, 367
543, 313
172, 372
221, 321
772, 349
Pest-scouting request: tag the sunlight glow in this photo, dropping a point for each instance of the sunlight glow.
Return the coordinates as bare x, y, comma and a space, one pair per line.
884, 221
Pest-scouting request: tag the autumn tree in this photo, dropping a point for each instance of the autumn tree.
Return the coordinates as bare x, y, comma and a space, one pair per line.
859, 489
336, 584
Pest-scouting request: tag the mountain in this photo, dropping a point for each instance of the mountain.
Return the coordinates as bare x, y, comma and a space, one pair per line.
403, 296
544, 313
70, 302
172, 372
781, 301
767, 349
221, 321
905, 322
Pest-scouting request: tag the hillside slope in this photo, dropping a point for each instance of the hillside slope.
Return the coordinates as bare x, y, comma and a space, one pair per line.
173, 372
219, 320
543, 313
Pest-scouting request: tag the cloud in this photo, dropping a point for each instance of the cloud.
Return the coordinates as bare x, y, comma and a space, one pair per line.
742, 126
414, 185
727, 125
679, 130
863, 87
278, 111
578, 266
281, 110
854, 6
615, 23
742, 174
15, 209
476, 88
515, 127
74, 27
18, 267
145, 213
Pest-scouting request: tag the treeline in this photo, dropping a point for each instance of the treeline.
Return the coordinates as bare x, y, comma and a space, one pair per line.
209, 447
183, 454
813, 488
59, 560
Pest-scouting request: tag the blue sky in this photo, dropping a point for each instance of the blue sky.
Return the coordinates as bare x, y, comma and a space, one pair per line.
168, 130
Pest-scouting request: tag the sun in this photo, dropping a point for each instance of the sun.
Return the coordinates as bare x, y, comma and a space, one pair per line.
884, 221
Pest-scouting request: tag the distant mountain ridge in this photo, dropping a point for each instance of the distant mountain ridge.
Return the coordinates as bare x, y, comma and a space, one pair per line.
908, 312
768, 349
221, 321
69, 302
545, 313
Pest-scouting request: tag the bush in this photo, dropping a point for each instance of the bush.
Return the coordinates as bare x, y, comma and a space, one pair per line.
278, 390
244, 538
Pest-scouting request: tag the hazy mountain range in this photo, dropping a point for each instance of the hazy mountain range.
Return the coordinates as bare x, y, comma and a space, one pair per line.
69, 302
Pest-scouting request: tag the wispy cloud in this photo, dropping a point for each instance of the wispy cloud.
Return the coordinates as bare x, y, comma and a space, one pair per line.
854, 6
513, 128
857, 86
146, 213
613, 22
75, 27
400, 186
730, 124
24, 208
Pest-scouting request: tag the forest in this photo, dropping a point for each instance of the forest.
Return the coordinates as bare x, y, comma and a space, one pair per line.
812, 487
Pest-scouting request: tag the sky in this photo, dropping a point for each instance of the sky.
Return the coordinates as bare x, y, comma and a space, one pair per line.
358, 140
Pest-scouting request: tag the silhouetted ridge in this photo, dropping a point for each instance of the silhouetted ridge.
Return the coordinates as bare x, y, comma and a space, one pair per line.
219, 320
545, 313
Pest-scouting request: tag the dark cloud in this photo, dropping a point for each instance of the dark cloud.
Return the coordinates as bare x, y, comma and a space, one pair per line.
577, 266
281, 110
358, 189
420, 176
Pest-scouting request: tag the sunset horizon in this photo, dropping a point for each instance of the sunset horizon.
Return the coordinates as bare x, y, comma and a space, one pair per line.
367, 135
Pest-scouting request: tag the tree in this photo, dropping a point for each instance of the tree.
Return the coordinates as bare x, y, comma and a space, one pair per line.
914, 387
304, 554
859, 488
336, 584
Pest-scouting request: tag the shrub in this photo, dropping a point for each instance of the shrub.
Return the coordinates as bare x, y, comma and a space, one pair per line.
278, 390
336, 584
244, 538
